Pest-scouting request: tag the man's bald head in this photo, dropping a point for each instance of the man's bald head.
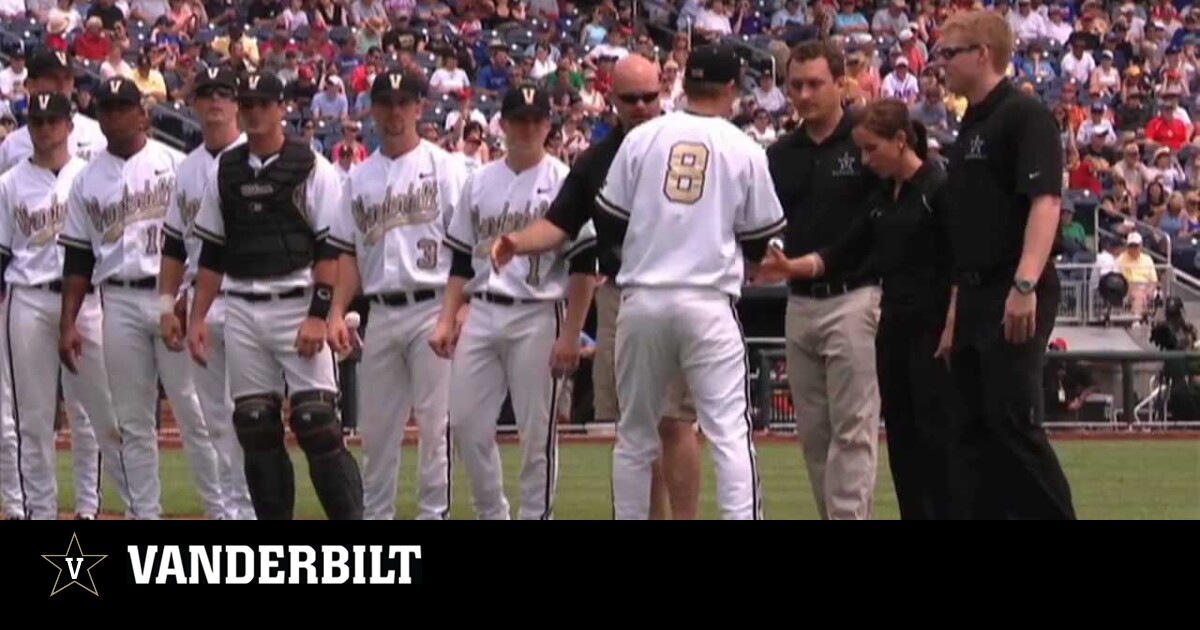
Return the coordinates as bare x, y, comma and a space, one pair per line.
635, 90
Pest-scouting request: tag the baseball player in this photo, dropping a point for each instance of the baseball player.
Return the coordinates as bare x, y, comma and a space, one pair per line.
515, 337
215, 104
33, 206
49, 72
263, 222
401, 200
635, 97
704, 199
112, 236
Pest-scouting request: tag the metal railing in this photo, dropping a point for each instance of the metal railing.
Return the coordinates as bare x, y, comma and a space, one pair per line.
1081, 304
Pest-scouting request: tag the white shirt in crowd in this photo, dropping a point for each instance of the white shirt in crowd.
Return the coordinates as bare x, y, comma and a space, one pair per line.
1078, 68
8, 77
444, 80
474, 116
771, 100
905, 89
714, 23
1027, 27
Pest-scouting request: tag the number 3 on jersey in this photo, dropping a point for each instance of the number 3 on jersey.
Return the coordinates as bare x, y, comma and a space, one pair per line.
687, 165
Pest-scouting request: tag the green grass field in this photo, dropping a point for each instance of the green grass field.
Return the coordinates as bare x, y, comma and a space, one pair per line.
1110, 480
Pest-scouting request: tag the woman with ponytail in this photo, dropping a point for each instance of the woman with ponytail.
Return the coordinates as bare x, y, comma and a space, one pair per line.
903, 243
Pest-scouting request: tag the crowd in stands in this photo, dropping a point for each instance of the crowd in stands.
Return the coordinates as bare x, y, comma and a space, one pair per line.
1120, 76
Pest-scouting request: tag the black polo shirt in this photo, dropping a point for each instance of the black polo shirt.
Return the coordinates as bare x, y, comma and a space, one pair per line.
824, 189
576, 202
1007, 153
901, 240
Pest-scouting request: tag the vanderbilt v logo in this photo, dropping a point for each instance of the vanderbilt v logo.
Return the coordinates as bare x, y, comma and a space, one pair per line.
395, 80
43, 101
253, 81
212, 72
115, 85
73, 567
528, 93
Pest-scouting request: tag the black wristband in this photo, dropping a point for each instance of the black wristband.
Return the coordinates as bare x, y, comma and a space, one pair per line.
322, 301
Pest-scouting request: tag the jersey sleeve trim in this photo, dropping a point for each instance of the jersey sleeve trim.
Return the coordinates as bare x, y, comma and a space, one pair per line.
169, 230
580, 247
6, 250
205, 235
763, 232
457, 245
340, 245
68, 241
611, 208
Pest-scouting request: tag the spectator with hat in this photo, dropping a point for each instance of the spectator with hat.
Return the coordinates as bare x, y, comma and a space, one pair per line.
304, 89
1097, 124
1165, 168
1138, 269
1037, 67
593, 99
1056, 27
494, 79
1105, 80
149, 81
900, 83
713, 23
331, 103
913, 50
237, 33
1078, 64
613, 47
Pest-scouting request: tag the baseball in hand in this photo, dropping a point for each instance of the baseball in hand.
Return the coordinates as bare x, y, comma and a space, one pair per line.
353, 320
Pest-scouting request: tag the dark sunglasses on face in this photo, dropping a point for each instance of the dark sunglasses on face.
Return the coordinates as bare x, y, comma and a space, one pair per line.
633, 98
217, 92
946, 53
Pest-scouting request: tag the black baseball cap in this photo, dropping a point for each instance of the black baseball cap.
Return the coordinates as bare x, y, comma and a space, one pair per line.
526, 101
48, 106
118, 90
713, 64
406, 86
49, 63
260, 85
218, 77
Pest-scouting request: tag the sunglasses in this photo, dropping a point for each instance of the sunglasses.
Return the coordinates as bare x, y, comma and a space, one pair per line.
946, 53
633, 98
216, 92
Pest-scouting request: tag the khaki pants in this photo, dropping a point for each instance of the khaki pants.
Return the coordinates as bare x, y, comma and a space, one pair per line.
831, 372
604, 379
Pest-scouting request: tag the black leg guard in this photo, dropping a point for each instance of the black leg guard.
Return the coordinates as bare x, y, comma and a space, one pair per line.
334, 472
258, 422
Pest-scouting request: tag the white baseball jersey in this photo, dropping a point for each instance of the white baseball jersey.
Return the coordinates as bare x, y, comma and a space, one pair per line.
399, 211
322, 203
85, 141
497, 201
116, 211
33, 208
195, 173
690, 187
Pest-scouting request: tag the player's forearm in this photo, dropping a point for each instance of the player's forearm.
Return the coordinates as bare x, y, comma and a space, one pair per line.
540, 237
170, 276
208, 284
454, 299
1039, 236
348, 283
325, 272
73, 292
580, 287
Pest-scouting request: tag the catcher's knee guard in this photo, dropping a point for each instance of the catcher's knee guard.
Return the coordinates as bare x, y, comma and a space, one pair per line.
258, 422
334, 472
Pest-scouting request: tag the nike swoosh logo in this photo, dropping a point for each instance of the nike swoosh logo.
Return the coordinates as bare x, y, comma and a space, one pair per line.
1034, 174
542, 191
160, 172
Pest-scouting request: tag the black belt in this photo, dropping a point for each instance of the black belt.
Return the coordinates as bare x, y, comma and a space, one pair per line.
821, 290
400, 298
496, 298
267, 297
141, 283
55, 286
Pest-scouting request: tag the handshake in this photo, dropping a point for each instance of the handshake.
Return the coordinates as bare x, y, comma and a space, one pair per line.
776, 267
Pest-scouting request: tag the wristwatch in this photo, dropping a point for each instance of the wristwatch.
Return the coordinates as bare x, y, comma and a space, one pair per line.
1024, 287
